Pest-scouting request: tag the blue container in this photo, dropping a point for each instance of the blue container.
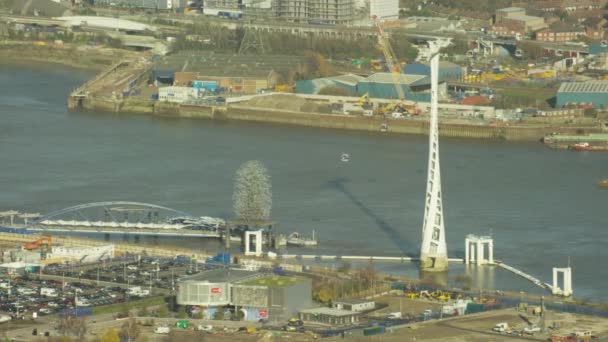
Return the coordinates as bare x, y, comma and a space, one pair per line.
77, 312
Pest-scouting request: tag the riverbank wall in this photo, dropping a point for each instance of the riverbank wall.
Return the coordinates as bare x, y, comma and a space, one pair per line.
317, 120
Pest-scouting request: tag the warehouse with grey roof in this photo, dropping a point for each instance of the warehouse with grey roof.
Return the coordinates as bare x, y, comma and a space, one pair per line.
578, 93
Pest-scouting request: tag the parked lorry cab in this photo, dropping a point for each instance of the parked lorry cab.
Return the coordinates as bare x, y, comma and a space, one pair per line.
162, 330
501, 327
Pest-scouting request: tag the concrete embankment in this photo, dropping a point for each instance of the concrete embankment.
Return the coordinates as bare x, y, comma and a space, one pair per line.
318, 120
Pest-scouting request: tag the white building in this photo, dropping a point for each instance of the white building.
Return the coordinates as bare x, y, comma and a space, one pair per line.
83, 254
177, 94
358, 305
384, 9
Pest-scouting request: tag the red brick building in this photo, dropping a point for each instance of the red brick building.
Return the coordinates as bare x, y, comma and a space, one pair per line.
560, 33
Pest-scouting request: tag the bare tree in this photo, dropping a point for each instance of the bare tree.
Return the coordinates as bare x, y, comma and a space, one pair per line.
129, 330
252, 192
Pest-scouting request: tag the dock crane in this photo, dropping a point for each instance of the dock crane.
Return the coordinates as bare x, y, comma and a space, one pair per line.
393, 66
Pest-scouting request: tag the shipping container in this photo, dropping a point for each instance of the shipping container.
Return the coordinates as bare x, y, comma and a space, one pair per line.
77, 312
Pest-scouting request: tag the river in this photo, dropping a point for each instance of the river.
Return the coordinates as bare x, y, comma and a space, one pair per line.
541, 206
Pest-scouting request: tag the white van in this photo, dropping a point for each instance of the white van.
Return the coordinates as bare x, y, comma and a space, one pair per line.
48, 292
162, 330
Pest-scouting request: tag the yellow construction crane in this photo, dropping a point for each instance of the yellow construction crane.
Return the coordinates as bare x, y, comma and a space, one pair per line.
390, 57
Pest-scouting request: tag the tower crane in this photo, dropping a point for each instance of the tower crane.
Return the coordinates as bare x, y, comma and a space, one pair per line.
390, 57
394, 68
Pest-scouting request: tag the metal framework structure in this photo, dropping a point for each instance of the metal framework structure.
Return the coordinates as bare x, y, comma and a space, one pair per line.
108, 207
433, 251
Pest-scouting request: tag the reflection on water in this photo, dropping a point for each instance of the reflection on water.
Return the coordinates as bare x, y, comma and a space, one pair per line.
541, 205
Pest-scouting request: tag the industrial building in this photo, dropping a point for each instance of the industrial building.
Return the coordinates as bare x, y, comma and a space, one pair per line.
518, 15
416, 87
60, 254
82, 254
384, 10
272, 297
18, 268
242, 74
447, 71
358, 305
254, 295
211, 288
577, 93
382, 85
330, 316
347, 81
177, 94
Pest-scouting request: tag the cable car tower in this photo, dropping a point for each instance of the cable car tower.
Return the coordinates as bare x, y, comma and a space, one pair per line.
433, 251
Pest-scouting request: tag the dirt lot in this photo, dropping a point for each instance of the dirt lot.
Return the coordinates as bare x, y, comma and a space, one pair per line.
478, 327
288, 102
186, 336
412, 307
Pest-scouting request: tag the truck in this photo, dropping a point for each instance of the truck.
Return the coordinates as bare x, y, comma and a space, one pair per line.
48, 292
501, 327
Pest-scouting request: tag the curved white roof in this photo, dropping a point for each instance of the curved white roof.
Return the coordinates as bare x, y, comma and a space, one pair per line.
106, 23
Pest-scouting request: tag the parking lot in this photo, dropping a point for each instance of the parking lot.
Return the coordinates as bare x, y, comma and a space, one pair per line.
62, 287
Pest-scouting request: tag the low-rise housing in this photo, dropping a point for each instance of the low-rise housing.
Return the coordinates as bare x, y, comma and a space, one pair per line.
567, 5
560, 32
509, 29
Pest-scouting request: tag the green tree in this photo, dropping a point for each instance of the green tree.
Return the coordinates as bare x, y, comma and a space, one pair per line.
110, 335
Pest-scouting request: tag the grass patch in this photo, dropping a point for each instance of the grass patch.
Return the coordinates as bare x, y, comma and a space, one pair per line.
114, 308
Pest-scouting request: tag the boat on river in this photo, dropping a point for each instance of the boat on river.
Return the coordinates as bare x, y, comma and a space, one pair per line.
584, 146
603, 183
295, 239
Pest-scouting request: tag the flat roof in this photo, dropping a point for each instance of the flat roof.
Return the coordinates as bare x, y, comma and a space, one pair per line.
524, 17
17, 264
272, 281
350, 79
330, 312
511, 9
353, 301
584, 87
220, 276
387, 77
